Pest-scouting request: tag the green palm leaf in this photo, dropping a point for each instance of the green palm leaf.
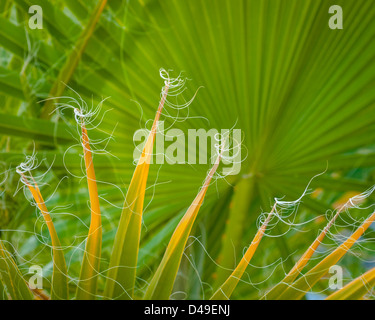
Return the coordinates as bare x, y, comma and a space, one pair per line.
301, 93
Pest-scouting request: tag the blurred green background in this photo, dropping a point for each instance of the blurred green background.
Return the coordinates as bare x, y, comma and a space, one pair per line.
302, 94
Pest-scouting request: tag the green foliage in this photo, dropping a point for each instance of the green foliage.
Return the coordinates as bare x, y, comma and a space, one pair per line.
301, 93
